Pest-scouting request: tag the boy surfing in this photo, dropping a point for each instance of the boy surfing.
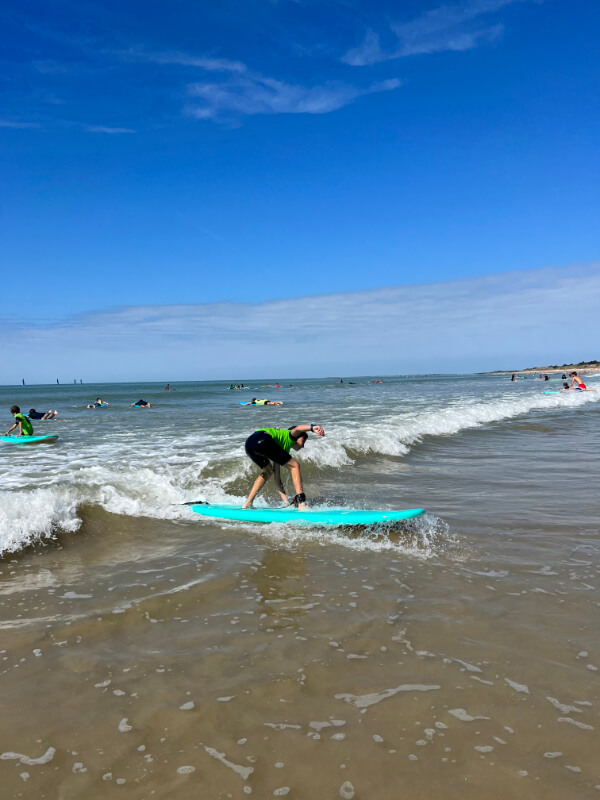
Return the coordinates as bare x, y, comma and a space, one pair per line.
269, 448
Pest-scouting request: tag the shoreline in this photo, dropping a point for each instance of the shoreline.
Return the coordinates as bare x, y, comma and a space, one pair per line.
590, 367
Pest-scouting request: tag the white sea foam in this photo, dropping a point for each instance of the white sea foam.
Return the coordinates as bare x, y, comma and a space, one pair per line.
148, 468
395, 434
27, 517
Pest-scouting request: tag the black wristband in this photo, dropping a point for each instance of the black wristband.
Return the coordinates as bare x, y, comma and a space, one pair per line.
311, 428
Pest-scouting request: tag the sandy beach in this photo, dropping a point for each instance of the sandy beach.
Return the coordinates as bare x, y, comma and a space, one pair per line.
147, 653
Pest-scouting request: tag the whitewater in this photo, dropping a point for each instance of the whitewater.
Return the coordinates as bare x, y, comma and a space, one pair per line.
147, 463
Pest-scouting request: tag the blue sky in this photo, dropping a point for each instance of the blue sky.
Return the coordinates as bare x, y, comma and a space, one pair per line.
160, 155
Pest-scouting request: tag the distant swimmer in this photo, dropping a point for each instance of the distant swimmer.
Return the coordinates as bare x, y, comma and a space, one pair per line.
21, 422
255, 402
168, 388
33, 414
100, 403
142, 404
575, 379
269, 448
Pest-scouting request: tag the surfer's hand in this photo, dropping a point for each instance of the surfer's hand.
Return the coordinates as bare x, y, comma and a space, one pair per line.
318, 430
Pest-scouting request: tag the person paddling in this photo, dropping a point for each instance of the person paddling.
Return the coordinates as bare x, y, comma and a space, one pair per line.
21, 422
269, 448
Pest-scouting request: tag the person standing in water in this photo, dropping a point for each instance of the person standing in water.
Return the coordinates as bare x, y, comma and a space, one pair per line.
269, 448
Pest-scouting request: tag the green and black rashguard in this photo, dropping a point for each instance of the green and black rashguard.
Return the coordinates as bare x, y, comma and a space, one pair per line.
269, 444
27, 427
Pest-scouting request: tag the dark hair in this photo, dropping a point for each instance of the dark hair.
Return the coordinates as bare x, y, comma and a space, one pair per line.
566, 385
15, 410
32, 411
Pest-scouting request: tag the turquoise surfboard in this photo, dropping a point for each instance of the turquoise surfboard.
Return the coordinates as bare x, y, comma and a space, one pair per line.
28, 439
329, 516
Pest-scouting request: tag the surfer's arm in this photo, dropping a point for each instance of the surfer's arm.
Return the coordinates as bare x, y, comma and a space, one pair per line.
10, 429
306, 429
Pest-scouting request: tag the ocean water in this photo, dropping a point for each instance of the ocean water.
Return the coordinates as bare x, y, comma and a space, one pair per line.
148, 652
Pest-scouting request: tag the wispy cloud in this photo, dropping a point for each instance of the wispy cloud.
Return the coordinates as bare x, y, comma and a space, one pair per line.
105, 129
478, 323
239, 91
7, 123
255, 94
449, 27
178, 58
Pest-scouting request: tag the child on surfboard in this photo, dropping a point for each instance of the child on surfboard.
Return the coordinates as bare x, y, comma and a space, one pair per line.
269, 448
575, 379
21, 422
100, 403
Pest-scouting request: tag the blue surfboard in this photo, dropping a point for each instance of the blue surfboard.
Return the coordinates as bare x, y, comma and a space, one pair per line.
28, 439
328, 516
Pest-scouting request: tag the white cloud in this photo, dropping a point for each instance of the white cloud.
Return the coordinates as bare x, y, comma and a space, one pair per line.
255, 94
457, 27
178, 58
104, 129
242, 92
481, 323
6, 123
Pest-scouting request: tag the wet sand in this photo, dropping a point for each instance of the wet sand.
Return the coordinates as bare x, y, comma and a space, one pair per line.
149, 653
149, 658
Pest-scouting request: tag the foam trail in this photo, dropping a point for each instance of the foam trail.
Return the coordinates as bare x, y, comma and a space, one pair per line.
149, 467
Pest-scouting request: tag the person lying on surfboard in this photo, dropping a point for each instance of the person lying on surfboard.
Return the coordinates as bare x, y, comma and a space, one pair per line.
567, 388
256, 402
21, 422
100, 403
269, 448
33, 414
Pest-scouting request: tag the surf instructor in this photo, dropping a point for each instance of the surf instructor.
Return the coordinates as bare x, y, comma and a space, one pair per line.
269, 448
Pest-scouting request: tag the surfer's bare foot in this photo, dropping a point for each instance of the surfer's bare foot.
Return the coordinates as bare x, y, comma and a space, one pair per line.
246, 505
302, 507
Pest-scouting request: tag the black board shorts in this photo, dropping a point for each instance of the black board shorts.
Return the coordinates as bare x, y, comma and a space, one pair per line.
262, 449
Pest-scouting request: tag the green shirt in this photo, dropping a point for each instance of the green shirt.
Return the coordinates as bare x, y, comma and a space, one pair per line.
26, 425
281, 436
